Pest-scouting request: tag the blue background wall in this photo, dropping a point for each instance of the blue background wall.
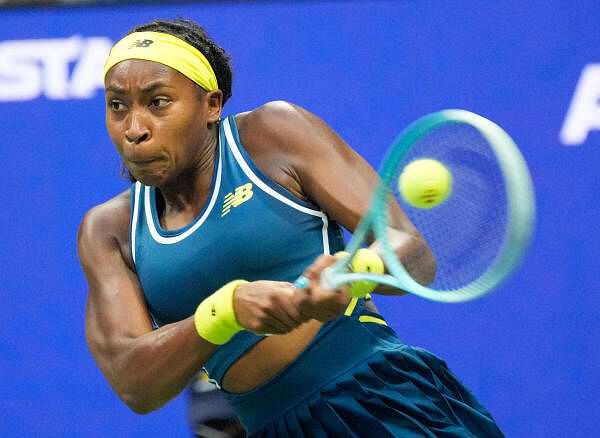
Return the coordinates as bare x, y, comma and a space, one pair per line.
529, 351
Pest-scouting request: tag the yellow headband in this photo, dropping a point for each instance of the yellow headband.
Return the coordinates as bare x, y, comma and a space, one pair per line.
164, 49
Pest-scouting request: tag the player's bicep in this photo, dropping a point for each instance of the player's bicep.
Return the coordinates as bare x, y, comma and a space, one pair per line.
338, 179
116, 310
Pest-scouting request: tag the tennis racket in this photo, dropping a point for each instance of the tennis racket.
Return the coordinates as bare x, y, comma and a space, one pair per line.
478, 235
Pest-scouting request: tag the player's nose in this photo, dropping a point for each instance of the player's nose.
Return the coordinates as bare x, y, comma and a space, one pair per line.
137, 129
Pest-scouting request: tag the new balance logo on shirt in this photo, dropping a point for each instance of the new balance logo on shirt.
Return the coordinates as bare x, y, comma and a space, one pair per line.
241, 195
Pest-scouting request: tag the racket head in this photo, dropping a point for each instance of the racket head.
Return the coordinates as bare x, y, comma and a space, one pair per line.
480, 233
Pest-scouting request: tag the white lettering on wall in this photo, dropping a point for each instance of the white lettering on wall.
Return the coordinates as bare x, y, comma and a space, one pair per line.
60, 68
583, 115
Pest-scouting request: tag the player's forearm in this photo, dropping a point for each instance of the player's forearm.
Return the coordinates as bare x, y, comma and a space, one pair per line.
413, 253
148, 371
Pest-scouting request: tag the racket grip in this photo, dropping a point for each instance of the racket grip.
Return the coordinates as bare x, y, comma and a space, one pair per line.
325, 280
302, 282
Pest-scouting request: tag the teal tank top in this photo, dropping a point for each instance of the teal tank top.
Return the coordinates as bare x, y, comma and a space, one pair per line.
250, 228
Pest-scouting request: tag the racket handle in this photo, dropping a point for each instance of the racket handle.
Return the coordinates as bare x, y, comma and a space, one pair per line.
325, 280
302, 282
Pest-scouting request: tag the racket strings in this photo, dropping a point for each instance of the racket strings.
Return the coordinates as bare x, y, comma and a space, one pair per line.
466, 231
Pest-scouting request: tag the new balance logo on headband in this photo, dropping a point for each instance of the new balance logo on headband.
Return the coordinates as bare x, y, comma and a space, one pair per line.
141, 43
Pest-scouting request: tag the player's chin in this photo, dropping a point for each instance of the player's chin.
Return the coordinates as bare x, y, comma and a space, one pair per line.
149, 175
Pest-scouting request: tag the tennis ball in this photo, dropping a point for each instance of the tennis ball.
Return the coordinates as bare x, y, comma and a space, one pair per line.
425, 183
364, 260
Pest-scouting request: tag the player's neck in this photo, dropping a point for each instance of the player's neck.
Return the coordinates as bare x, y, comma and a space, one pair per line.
190, 189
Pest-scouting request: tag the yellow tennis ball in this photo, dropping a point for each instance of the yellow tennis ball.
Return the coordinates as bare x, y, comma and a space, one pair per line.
364, 260
425, 183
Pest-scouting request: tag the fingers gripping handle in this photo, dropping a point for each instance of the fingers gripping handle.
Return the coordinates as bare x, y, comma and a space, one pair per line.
326, 280
301, 282
364, 260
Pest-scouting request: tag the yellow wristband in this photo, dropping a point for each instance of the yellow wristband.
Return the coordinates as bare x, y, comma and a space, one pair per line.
214, 318
364, 260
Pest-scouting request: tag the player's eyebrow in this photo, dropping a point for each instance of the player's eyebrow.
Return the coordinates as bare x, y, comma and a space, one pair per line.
145, 90
155, 85
115, 90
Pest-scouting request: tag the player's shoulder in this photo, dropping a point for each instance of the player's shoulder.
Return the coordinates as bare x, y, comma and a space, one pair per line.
273, 117
107, 220
277, 126
277, 108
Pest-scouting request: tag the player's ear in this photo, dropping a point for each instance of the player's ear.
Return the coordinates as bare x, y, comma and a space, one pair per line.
214, 101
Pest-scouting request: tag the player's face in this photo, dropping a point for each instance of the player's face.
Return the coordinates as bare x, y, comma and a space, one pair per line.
158, 119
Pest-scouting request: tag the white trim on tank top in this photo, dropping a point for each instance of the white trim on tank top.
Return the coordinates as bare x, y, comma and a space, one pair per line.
253, 177
169, 240
136, 207
269, 190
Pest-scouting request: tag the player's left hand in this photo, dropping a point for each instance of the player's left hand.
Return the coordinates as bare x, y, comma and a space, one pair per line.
315, 302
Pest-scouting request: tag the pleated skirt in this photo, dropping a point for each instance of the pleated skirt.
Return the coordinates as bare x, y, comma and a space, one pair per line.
356, 379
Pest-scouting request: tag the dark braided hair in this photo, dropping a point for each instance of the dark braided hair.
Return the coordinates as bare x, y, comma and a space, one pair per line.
194, 34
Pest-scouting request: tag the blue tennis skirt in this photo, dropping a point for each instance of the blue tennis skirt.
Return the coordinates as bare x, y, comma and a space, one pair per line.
356, 379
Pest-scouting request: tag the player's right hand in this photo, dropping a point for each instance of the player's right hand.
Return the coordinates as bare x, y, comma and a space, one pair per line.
267, 307
315, 302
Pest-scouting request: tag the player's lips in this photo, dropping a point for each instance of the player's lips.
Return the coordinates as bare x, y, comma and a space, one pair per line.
142, 160
135, 155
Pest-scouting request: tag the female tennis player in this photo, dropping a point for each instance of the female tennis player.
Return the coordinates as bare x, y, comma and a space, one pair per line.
193, 265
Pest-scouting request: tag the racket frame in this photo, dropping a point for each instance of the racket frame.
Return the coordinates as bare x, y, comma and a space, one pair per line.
520, 210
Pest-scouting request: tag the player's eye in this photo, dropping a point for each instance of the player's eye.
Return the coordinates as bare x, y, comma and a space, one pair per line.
160, 102
115, 105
